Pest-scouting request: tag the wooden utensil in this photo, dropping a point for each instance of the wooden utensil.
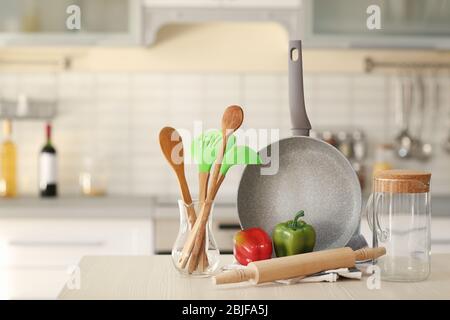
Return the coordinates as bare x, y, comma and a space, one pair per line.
172, 148
231, 121
298, 265
204, 150
236, 155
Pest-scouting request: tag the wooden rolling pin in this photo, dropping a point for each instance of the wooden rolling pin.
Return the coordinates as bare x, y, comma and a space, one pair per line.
298, 265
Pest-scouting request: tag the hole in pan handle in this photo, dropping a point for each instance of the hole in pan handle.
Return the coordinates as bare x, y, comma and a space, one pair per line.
300, 122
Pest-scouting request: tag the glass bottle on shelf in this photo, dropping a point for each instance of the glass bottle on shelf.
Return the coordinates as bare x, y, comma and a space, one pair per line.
48, 181
8, 160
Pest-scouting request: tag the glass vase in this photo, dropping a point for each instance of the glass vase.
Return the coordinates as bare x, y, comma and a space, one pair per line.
209, 260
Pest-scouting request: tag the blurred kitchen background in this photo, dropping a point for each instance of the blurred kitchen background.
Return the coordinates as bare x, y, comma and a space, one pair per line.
136, 66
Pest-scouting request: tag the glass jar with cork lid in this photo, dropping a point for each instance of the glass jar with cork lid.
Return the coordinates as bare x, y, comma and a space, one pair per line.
399, 214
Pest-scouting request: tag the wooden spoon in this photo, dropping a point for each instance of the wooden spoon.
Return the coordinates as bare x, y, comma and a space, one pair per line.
204, 150
172, 148
231, 121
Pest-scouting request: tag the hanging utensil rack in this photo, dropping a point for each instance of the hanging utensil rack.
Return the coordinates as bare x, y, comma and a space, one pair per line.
30, 108
371, 65
34, 109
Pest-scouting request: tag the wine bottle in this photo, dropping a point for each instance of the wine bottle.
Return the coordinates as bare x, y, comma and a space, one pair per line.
8, 155
48, 167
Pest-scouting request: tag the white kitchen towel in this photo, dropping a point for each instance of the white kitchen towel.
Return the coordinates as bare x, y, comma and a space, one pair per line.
327, 276
324, 276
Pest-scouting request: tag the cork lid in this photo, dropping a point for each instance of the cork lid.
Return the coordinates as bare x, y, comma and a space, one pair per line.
402, 181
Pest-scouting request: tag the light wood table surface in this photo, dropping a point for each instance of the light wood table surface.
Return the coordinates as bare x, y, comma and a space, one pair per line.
154, 277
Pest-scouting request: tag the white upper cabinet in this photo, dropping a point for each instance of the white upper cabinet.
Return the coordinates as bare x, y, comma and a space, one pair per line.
161, 12
263, 3
181, 3
377, 23
70, 22
321, 23
224, 3
125, 22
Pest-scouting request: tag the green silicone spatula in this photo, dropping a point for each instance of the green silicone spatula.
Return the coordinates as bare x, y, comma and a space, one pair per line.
236, 155
204, 151
239, 155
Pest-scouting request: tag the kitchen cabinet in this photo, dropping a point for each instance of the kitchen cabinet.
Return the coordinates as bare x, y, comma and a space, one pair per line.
32, 283
44, 22
262, 3
158, 13
181, 3
224, 3
42, 239
36, 255
403, 24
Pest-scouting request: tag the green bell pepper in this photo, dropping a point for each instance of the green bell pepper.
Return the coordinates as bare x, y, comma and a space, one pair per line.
293, 237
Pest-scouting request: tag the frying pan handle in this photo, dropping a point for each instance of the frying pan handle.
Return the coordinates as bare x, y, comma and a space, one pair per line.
300, 122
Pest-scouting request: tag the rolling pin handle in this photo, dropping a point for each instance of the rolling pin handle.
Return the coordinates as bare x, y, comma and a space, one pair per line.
234, 276
369, 253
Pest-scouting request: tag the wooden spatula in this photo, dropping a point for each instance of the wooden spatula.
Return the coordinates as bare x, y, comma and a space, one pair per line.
204, 151
231, 121
233, 117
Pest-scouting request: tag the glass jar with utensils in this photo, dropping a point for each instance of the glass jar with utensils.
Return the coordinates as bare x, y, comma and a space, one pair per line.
209, 255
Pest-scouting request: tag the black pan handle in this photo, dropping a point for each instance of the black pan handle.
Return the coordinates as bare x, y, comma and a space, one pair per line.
300, 122
230, 226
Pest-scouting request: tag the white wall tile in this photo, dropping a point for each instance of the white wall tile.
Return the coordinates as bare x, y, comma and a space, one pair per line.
111, 86
118, 116
39, 86
8, 85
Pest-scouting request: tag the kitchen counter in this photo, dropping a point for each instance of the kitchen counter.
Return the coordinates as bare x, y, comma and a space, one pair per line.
134, 207
151, 206
77, 207
154, 277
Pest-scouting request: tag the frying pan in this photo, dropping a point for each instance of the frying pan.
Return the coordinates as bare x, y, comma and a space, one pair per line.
312, 176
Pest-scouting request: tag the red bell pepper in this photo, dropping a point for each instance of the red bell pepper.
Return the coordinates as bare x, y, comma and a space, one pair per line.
252, 245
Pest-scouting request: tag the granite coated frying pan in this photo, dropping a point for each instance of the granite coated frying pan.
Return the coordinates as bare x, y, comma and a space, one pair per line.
313, 176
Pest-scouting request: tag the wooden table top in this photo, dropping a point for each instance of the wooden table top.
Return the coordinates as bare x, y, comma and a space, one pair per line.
154, 277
